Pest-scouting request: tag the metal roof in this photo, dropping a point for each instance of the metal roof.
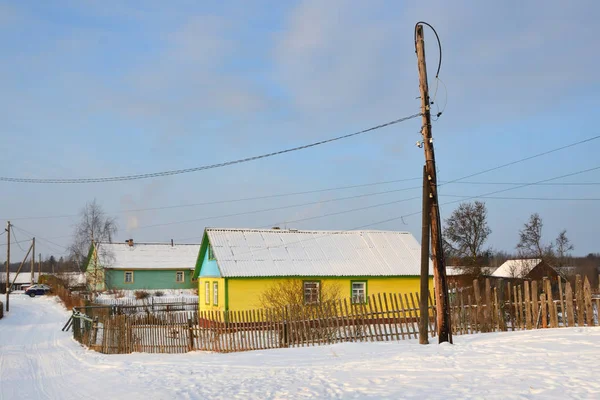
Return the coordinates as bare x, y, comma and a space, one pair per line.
148, 255
516, 268
274, 252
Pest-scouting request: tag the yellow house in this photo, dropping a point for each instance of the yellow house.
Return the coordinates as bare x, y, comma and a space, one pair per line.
236, 267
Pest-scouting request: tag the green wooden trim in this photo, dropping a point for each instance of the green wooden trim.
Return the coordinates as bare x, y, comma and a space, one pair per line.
311, 280
366, 282
215, 292
226, 294
207, 292
200, 258
89, 256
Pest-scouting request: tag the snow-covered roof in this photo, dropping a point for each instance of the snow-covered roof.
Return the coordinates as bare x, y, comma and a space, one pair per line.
274, 252
516, 268
73, 278
453, 270
24, 277
148, 255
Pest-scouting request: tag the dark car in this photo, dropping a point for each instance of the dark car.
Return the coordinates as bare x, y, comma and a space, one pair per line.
37, 290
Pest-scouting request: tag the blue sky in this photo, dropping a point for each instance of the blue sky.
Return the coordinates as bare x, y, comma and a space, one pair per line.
92, 89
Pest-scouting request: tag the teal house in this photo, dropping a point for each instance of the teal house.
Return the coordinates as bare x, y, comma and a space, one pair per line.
141, 266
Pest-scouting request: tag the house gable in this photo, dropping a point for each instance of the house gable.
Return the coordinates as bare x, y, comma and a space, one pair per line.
206, 267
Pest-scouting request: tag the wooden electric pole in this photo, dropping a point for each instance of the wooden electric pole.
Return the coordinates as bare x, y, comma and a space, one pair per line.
423, 306
439, 268
7, 265
33, 261
39, 266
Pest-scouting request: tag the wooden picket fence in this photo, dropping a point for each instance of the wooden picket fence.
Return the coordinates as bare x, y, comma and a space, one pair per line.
384, 317
529, 305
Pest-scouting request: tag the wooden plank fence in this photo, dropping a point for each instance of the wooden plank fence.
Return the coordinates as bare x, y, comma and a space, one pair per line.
384, 317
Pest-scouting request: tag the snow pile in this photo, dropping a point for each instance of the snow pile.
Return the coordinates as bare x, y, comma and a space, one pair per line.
37, 360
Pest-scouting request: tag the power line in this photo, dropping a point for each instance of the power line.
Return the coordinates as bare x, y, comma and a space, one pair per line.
532, 183
41, 238
201, 168
488, 194
356, 186
402, 216
328, 214
526, 198
227, 201
525, 159
278, 208
15, 236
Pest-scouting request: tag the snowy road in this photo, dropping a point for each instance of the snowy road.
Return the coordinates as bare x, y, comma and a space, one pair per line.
38, 361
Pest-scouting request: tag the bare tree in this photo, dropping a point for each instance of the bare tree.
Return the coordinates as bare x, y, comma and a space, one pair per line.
465, 233
316, 301
94, 225
563, 247
530, 240
292, 292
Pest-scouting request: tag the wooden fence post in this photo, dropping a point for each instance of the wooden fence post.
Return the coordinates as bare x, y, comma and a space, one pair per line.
570, 310
511, 316
527, 305
535, 306
488, 305
562, 301
190, 335
76, 327
479, 308
550, 300
587, 295
579, 298
94, 335
497, 312
543, 310
501, 305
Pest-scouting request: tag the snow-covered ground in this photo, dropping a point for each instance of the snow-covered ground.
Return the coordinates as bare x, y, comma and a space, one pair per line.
38, 361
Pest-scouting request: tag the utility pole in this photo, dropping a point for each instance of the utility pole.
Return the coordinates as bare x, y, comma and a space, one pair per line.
439, 268
423, 306
33, 261
39, 266
7, 265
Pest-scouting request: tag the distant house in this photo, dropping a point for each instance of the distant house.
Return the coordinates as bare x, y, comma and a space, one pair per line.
235, 266
73, 280
533, 268
132, 265
21, 281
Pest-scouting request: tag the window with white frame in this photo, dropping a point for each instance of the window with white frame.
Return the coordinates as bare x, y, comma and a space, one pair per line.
211, 254
215, 293
179, 277
359, 292
128, 276
207, 292
311, 291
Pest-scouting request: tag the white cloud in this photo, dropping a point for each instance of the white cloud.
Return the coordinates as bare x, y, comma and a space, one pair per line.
343, 57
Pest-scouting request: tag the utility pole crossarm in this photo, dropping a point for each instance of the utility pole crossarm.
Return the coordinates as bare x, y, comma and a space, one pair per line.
439, 268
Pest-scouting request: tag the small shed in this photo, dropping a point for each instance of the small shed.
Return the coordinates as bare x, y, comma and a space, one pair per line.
527, 268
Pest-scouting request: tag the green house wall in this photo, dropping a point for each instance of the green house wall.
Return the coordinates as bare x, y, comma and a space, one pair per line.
148, 279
